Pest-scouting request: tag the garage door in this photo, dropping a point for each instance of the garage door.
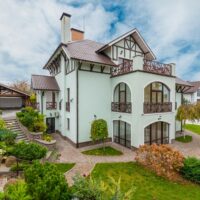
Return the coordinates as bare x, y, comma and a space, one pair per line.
10, 102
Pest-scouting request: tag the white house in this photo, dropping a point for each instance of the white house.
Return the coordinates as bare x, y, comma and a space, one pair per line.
192, 95
119, 81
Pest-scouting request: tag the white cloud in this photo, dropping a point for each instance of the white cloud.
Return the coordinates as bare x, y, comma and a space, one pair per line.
30, 30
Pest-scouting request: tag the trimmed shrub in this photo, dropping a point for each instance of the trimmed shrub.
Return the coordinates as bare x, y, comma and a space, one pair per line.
45, 182
99, 130
191, 169
2, 124
47, 137
7, 136
32, 119
17, 190
29, 151
162, 159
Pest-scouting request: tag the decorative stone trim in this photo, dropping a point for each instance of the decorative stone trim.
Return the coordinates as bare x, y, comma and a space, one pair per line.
50, 145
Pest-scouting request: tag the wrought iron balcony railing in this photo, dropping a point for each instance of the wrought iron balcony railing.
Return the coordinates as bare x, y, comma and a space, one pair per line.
158, 68
157, 107
68, 106
123, 68
51, 105
121, 107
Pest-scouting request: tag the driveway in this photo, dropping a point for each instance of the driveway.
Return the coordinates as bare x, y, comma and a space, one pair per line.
9, 114
191, 148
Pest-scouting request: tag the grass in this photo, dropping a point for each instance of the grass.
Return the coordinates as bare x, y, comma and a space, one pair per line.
185, 139
148, 185
192, 127
103, 151
64, 167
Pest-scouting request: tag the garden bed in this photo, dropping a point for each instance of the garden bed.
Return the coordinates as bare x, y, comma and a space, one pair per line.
50, 145
184, 139
103, 151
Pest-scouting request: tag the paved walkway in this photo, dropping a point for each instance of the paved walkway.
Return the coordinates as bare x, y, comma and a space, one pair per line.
191, 148
85, 163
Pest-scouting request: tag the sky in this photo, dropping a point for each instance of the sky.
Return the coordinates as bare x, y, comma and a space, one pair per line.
30, 31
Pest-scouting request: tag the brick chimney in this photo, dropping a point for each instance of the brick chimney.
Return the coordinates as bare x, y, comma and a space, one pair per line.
77, 34
65, 28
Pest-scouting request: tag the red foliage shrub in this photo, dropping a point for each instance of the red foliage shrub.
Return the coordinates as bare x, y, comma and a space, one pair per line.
162, 159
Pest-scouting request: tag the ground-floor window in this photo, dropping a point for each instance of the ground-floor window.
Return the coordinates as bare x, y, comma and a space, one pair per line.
157, 132
122, 133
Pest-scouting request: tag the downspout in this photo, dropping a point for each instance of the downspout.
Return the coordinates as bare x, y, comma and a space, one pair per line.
42, 101
181, 104
77, 109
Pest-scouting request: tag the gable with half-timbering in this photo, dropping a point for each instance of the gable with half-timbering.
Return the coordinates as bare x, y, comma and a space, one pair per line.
127, 48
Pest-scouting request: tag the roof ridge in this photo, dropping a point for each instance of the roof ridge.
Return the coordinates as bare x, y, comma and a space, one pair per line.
41, 75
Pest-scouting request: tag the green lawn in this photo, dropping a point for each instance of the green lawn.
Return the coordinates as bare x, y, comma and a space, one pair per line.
103, 151
192, 127
64, 167
184, 139
148, 185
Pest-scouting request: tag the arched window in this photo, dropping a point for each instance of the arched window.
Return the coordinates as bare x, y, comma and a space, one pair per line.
156, 92
122, 98
157, 98
157, 132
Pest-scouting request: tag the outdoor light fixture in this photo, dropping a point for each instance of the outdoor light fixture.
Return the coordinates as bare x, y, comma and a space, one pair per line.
95, 116
120, 117
72, 99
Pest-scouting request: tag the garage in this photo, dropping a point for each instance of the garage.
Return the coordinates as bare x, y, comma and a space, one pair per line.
11, 98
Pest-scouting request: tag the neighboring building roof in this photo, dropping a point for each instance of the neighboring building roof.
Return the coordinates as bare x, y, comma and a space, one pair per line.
86, 50
196, 86
139, 40
41, 82
182, 82
15, 90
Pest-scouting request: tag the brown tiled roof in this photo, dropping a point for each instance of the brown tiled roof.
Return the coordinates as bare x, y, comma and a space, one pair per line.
86, 50
196, 85
40, 82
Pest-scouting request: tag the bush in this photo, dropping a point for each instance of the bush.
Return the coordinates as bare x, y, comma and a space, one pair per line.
86, 189
2, 124
47, 137
16, 191
191, 169
32, 119
45, 182
29, 151
162, 159
7, 136
99, 130
20, 167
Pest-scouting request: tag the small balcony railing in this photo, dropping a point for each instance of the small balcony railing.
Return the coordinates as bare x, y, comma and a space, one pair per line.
158, 68
68, 106
121, 107
123, 68
51, 105
157, 107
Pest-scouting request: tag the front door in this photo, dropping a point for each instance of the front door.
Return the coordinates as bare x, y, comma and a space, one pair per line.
122, 133
50, 122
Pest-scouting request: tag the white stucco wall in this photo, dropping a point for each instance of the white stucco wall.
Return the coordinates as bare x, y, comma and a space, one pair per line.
94, 99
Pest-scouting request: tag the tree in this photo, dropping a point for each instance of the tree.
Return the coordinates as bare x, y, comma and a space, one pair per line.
22, 85
45, 182
99, 130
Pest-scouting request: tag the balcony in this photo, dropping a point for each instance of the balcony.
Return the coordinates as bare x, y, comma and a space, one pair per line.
157, 107
68, 106
123, 68
51, 105
121, 107
158, 68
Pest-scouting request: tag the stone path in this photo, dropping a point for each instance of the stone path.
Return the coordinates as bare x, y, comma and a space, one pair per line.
85, 163
191, 148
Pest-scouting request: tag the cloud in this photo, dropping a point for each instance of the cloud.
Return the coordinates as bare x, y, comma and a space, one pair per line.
30, 30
